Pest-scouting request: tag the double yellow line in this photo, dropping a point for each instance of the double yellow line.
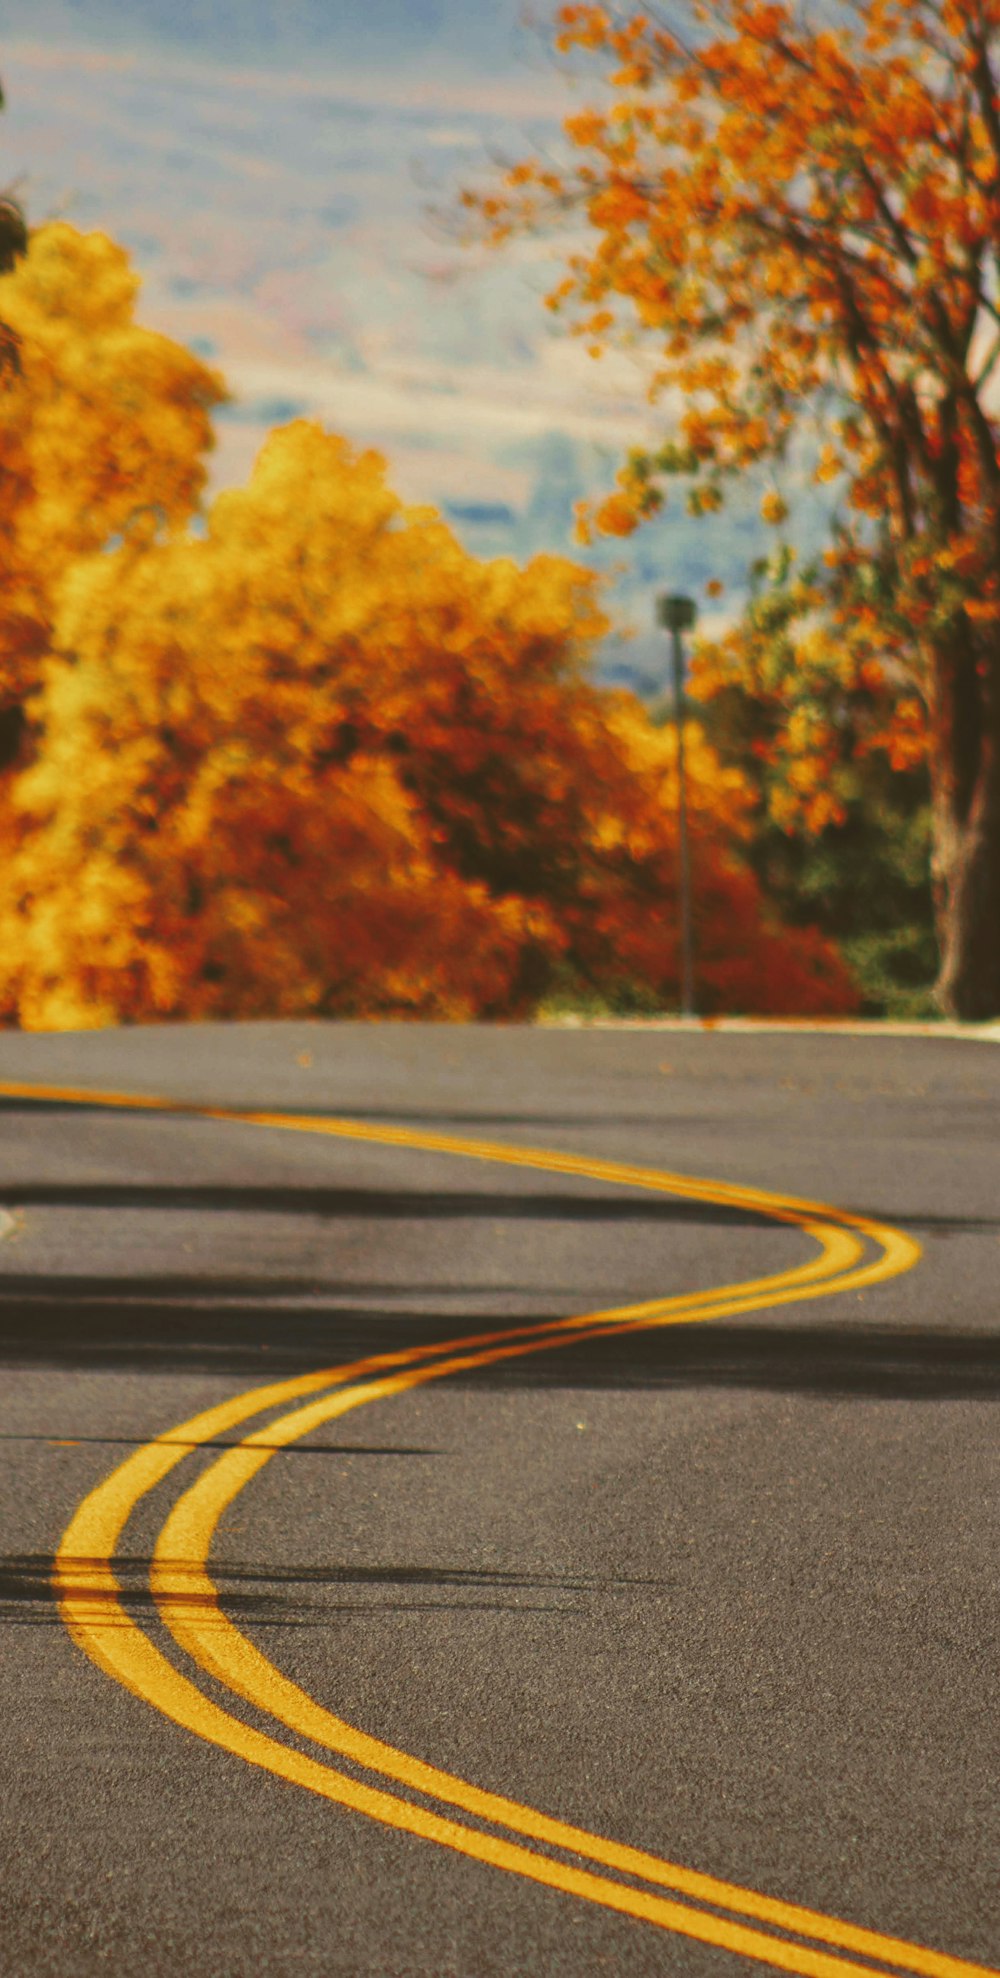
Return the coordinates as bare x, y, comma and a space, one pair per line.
387, 1784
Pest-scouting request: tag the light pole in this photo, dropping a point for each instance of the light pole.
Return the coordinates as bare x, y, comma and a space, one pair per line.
677, 613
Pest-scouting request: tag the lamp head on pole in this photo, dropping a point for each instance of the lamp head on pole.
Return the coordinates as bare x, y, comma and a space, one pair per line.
675, 611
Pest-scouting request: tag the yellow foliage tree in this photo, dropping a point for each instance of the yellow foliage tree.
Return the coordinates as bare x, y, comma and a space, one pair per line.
103, 432
321, 759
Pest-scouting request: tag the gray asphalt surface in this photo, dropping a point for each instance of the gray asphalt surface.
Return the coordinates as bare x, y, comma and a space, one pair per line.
729, 1592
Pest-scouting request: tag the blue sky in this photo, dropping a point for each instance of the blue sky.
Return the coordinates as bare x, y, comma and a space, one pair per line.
274, 167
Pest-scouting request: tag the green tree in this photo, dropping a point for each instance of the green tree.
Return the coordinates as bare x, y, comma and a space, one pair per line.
841, 829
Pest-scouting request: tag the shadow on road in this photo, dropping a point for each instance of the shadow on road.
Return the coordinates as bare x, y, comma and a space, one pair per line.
258, 1326
301, 1595
386, 1204
193, 1326
456, 1119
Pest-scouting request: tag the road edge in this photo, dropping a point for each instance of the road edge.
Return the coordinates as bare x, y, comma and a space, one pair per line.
970, 1033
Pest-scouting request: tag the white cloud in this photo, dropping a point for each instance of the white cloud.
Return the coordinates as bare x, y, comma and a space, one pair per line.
424, 401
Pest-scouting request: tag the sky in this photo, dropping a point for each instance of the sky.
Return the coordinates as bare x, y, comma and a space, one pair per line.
284, 174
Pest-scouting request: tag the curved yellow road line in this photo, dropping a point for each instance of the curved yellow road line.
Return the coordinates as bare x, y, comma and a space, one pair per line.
187, 1597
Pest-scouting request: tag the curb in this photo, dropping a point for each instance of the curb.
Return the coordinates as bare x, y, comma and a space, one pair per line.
976, 1033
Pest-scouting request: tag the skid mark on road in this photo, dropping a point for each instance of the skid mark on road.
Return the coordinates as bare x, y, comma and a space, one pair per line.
426, 1801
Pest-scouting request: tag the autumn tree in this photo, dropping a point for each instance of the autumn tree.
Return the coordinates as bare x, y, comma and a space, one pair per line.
103, 433
318, 758
209, 826
801, 216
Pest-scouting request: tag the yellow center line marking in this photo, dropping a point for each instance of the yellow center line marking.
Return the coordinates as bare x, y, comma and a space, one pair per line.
187, 1597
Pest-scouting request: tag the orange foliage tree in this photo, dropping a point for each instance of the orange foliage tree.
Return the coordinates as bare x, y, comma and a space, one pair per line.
103, 429
803, 215
319, 758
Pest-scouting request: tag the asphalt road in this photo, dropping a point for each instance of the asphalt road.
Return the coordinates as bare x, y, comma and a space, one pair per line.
725, 1590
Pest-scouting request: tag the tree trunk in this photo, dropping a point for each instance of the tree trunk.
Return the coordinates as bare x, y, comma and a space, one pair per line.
965, 774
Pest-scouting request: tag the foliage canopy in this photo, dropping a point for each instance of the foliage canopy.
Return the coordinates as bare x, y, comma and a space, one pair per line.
802, 217
316, 758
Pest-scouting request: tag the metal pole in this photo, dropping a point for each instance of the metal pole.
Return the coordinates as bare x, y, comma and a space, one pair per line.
678, 613
684, 843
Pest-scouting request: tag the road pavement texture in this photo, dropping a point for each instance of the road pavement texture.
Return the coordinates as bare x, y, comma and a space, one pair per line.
665, 1641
